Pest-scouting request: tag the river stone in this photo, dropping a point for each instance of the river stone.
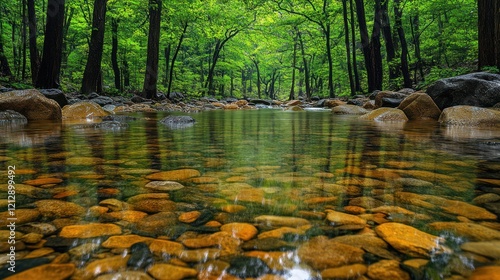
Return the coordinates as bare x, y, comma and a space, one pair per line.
156, 224
83, 110
322, 253
126, 215
160, 247
409, 240
43, 181
387, 269
349, 110
267, 244
199, 255
242, 231
189, 217
488, 249
46, 272
385, 115
280, 221
419, 106
147, 196
154, 206
163, 271
486, 198
32, 238
31, 104
247, 267
107, 265
163, 186
10, 117
140, 256
387, 98
53, 208
175, 122
90, 230
486, 273
125, 275
84, 250
22, 216
467, 210
174, 175
352, 271
470, 116
471, 231
475, 89
125, 241
340, 220
55, 94
22, 265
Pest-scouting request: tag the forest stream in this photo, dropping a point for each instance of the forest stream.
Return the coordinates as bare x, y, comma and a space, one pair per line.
259, 194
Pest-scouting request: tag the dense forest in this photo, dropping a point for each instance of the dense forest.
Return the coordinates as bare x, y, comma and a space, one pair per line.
244, 48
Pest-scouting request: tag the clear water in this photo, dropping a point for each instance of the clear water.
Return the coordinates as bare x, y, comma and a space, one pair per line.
283, 158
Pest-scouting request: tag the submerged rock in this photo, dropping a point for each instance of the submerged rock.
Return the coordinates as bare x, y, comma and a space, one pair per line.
83, 110
349, 110
176, 122
385, 115
470, 116
12, 118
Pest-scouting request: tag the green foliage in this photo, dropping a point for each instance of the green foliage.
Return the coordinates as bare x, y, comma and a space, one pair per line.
446, 33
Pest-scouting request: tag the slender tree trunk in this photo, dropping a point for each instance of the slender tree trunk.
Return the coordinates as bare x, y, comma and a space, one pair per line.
348, 48
151, 77
176, 52
354, 59
259, 80
4, 63
114, 53
404, 46
126, 73
365, 42
486, 33
34, 56
166, 53
306, 67
92, 77
294, 66
50, 67
331, 89
375, 47
24, 39
415, 31
389, 42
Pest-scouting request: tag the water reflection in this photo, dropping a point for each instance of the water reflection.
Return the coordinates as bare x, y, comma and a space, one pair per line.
302, 194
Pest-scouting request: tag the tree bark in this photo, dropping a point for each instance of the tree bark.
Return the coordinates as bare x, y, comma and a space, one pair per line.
114, 53
398, 14
174, 57
486, 33
389, 42
151, 77
294, 66
357, 83
92, 78
259, 80
4, 63
306, 67
348, 48
34, 56
50, 67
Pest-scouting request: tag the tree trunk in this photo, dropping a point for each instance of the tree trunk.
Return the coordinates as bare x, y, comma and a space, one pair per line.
151, 77
92, 78
486, 33
294, 66
259, 80
389, 43
166, 53
348, 48
176, 52
404, 46
354, 59
114, 53
415, 31
306, 68
375, 48
331, 89
24, 40
4, 63
50, 67
367, 45
34, 56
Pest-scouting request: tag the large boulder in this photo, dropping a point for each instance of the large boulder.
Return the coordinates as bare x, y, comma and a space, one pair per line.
389, 98
470, 116
418, 106
31, 104
349, 110
83, 110
175, 122
385, 115
476, 89
12, 118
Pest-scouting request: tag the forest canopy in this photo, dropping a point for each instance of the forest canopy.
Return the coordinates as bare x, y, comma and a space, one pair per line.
244, 48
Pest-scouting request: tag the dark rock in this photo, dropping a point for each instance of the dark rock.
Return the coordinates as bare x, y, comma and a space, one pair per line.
92, 95
11, 118
230, 99
140, 256
177, 96
247, 267
356, 101
5, 89
60, 244
73, 100
102, 100
138, 99
209, 99
261, 101
476, 89
315, 98
55, 94
119, 118
205, 216
262, 106
175, 122
22, 265
391, 102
